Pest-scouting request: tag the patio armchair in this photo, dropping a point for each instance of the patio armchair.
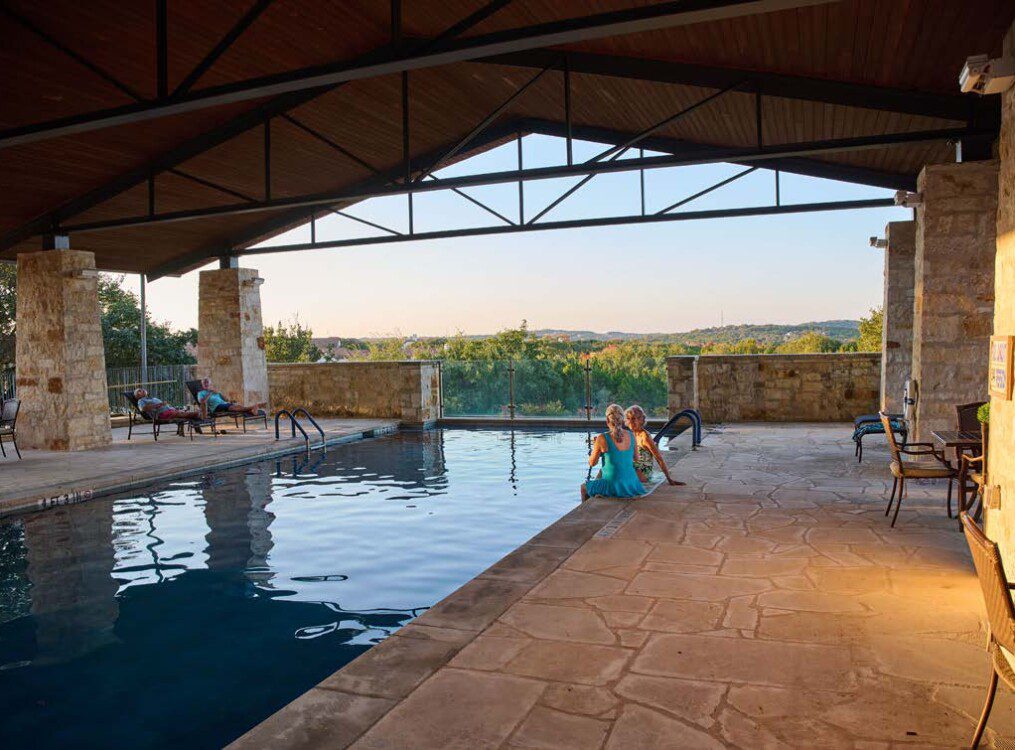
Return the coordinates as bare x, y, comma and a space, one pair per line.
137, 416
965, 416
902, 469
1000, 615
239, 418
9, 424
973, 473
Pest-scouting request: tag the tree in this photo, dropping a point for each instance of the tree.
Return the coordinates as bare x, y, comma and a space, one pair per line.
809, 343
871, 331
121, 317
290, 343
8, 312
121, 334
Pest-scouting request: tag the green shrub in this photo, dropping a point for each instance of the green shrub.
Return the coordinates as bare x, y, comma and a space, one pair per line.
983, 413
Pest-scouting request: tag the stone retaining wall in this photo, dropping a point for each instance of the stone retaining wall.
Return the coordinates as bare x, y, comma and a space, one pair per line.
408, 391
776, 387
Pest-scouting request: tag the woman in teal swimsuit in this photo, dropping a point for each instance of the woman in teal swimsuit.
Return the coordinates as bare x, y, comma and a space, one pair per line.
616, 447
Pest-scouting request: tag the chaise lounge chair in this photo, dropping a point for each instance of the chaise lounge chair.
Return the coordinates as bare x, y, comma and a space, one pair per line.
870, 424
239, 418
137, 416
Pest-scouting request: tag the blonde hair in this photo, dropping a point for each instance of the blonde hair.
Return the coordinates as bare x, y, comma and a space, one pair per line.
615, 421
635, 409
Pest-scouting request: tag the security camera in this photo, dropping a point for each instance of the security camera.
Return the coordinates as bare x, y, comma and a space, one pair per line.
984, 76
908, 199
878, 242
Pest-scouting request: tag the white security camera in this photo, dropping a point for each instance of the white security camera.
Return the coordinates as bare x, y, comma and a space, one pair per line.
878, 242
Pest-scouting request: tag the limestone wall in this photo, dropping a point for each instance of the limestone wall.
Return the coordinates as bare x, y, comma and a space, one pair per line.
777, 387
897, 324
1000, 522
681, 383
408, 391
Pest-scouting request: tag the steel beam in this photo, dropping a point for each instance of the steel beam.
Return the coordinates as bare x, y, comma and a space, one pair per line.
958, 107
725, 213
793, 165
193, 147
220, 47
691, 158
566, 31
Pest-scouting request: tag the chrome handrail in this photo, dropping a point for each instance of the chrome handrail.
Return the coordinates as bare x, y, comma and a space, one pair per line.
294, 425
301, 410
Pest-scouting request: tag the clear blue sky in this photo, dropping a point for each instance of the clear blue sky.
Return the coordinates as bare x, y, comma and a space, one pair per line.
662, 277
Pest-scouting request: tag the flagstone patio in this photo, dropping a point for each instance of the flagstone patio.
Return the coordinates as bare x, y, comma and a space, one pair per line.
768, 604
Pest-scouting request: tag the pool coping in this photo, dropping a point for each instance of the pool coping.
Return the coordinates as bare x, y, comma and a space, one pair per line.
344, 706
70, 493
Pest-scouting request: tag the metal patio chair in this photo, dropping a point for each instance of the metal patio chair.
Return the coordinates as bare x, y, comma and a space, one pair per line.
903, 470
973, 474
9, 424
1000, 614
137, 416
239, 419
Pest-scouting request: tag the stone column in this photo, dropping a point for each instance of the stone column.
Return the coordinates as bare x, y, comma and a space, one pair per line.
1000, 518
897, 333
953, 306
230, 339
61, 363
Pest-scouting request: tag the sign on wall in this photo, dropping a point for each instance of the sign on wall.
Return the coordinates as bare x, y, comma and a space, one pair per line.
1000, 367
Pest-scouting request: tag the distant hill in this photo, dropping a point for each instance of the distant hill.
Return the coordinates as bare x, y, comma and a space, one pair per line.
767, 333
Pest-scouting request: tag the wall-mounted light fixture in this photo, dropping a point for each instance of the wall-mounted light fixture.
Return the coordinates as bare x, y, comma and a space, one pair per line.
908, 199
981, 75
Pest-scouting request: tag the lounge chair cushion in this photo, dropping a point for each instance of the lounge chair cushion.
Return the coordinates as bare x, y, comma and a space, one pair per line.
876, 428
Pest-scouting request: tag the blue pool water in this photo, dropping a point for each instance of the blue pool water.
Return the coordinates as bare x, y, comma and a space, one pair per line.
182, 615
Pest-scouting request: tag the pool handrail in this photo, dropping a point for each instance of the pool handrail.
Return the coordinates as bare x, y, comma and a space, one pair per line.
301, 410
694, 416
294, 424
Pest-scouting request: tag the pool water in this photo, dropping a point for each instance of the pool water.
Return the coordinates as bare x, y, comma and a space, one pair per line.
184, 614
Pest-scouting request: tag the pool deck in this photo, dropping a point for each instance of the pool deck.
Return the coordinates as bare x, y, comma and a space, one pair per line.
766, 605
46, 478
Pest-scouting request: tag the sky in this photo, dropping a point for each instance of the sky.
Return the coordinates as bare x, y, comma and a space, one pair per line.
666, 277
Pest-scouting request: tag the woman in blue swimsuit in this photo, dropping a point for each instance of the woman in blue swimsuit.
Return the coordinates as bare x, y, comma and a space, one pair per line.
616, 447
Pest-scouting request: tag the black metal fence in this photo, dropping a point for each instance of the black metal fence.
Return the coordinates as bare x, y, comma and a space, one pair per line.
164, 381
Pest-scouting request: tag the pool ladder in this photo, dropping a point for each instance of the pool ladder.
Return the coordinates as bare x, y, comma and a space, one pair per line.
691, 415
295, 424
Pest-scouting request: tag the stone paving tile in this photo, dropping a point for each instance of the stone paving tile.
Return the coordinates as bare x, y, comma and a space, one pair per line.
767, 604
456, 709
318, 718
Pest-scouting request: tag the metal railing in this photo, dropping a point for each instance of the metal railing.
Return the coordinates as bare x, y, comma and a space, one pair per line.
164, 381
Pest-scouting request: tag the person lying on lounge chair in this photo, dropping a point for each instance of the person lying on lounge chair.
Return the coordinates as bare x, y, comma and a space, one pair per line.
158, 409
213, 402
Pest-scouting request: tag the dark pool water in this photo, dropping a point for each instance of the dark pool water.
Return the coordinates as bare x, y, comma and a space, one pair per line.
180, 616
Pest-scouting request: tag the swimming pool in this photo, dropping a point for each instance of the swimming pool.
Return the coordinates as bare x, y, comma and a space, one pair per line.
184, 614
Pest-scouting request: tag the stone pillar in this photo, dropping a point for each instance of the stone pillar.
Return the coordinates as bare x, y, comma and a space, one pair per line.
1000, 519
682, 386
61, 363
953, 305
230, 339
897, 333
